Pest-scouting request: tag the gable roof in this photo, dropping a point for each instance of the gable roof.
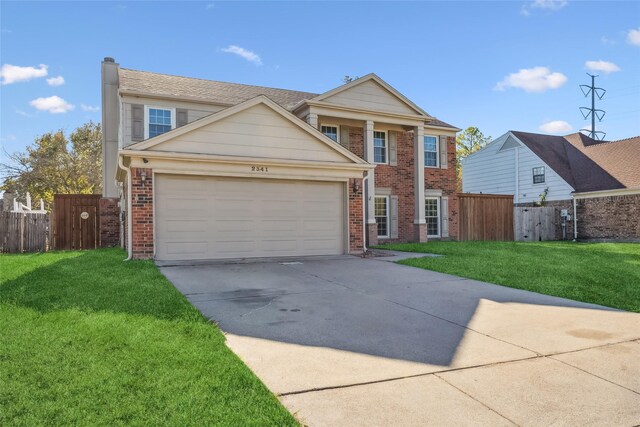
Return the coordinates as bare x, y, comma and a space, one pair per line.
261, 99
148, 83
587, 164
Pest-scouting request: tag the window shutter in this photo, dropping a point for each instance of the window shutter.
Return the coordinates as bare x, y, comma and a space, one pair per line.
393, 148
182, 117
443, 152
344, 137
444, 214
137, 122
393, 217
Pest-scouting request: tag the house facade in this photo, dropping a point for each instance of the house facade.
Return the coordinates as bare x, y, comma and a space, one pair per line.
209, 170
596, 183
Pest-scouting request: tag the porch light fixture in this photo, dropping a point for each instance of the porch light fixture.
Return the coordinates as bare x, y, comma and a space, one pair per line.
356, 185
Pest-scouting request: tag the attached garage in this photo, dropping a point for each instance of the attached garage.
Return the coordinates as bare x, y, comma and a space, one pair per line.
200, 217
249, 181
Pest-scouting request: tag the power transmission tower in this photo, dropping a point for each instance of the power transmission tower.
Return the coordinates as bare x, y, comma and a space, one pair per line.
593, 111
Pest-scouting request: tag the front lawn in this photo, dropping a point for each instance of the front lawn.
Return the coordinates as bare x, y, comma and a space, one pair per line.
600, 273
87, 339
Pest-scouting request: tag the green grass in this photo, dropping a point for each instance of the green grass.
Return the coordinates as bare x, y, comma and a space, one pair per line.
600, 273
86, 339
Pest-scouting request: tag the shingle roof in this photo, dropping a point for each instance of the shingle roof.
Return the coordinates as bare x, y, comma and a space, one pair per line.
206, 90
587, 164
213, 91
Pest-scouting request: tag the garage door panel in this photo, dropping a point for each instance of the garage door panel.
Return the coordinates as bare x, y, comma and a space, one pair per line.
214, 217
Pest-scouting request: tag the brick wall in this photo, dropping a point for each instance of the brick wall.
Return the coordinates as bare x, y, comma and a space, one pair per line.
109, 222
142, 212
400, 179
609, 218
356, 217
445, 180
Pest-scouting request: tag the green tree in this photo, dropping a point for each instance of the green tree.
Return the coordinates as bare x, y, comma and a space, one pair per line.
54, 164
468, 142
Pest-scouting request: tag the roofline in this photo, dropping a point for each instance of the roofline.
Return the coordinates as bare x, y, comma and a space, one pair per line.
377, 79
194, 99
605, 193
260, 99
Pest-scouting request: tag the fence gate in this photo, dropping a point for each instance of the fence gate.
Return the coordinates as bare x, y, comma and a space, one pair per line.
486, 216
534, 224
76, 223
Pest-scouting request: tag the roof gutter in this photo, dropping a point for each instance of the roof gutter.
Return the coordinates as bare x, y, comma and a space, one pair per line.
129, 206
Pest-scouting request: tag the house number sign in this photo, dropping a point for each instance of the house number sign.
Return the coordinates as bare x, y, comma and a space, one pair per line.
259, 169
84, 215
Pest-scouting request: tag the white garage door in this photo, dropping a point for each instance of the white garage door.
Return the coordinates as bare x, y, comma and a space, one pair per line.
213, 218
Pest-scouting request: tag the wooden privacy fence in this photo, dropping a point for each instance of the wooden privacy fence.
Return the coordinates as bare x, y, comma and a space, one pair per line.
486, 216
23, 232
533, 224
75, 222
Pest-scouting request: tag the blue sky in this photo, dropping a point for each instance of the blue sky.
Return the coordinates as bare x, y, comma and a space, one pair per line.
494, 65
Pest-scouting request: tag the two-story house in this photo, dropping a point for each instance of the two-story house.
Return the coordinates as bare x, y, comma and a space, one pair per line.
208, 170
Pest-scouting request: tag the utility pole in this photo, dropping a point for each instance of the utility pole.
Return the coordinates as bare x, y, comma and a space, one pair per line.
593, 111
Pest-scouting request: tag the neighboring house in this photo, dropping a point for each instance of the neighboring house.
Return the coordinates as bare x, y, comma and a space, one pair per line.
208, 170
598, 182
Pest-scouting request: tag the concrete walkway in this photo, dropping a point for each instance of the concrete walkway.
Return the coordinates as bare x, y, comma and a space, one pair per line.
351, 341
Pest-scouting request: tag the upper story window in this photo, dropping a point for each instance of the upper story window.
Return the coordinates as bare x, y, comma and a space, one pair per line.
430, 151
159, 121
380, 147
331, 131
538, 175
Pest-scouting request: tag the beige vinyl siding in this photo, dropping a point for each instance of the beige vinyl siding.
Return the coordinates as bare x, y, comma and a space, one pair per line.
195, 111
256, 132
370, 95
211, 217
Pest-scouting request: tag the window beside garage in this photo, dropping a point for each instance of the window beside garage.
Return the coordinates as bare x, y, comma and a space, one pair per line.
381, 205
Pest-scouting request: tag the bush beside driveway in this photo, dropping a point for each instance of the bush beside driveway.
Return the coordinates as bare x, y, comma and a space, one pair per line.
599, 273
88, 339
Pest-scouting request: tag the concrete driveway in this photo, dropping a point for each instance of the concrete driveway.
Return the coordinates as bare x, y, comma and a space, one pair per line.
351, 341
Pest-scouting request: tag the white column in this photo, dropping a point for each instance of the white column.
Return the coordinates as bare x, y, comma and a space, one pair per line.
371, 185
312, 119
418, 155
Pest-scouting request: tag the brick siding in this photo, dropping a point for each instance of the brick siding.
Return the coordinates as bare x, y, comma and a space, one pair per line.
609, 218
356, 217
445, 180
142, 212
109, 222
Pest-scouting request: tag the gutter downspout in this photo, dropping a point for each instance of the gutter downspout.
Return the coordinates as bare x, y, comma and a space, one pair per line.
365, 213
575, 219
129, 207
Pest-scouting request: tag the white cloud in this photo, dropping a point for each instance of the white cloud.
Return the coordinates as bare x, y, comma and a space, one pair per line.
536, 79
243, 53
633, 36
89, 108
551, 5
23, 113
556, 126
604, 66
14, 73
55, 81
607, 41
52, 104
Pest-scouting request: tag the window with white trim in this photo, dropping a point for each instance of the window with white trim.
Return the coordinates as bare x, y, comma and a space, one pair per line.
332, 131
159, 121
381, 208
432, 215
380, 148
538, 175
430, 151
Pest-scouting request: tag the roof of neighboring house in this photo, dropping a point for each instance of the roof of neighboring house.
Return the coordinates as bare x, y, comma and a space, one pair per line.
145, 82
208, 90
587, 164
